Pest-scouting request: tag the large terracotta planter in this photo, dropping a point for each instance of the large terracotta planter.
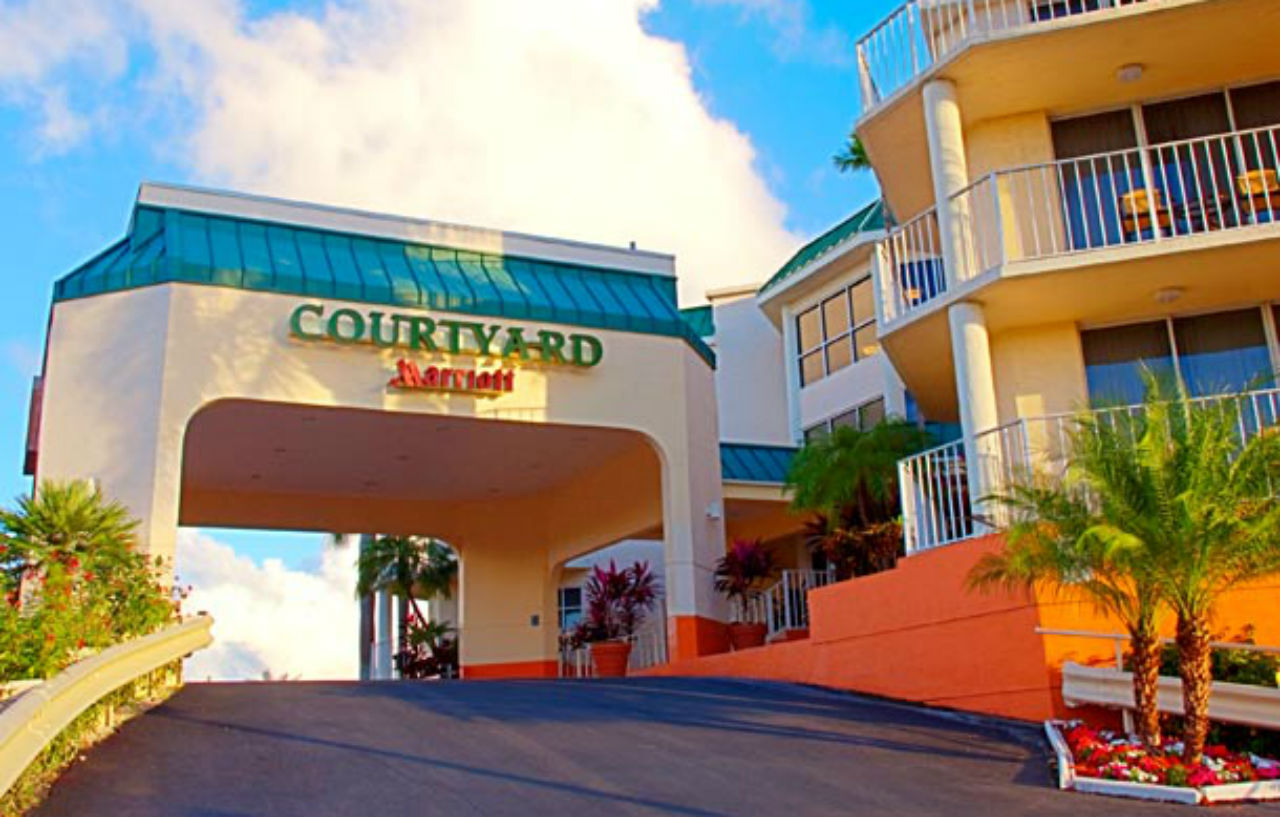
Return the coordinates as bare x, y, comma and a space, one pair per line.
744, 636
609, 658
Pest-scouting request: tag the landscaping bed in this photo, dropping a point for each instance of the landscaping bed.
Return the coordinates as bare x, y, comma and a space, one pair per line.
1104, 762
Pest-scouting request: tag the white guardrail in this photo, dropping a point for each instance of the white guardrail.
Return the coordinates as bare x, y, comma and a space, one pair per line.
921, 33
35, 717
648, 649
1112, 687
938, 494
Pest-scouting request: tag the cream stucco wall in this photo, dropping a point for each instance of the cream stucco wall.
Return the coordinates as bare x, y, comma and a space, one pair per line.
1038, 371
128, 371
751, 385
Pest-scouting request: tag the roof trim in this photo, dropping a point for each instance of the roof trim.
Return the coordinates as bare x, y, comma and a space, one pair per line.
401, 228
755, 464
871, 219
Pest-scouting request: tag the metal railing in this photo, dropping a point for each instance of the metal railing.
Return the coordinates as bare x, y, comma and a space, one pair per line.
648, 648
912, 257
921, 33
1135, 196
941, 498
1067, 207
784, 605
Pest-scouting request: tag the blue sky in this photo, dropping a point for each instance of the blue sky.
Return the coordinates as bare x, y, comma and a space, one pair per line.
779, 70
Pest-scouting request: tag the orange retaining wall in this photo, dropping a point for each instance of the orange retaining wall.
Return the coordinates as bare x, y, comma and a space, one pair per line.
917, 633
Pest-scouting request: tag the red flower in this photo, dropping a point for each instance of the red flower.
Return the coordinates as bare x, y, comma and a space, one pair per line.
1203, 776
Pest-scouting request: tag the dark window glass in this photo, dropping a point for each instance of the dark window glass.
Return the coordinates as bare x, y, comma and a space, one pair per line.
1257, 106
1223, 352
1186, 118
847, 420
811, 368
809, 329
1114, 360
835, 315
815, 433
1100, 133
570, 606
871, 414
866, 342
839, 355
864, 308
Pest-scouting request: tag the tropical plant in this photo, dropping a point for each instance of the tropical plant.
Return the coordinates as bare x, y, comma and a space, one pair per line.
849, 481
617, 602
410, 567
853, 156
72, 580
1164, 507
741, 572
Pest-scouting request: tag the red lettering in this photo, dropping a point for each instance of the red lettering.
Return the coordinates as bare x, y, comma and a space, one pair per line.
432, 379
457, 378
508, 380
484, 382
471, 380
407, 375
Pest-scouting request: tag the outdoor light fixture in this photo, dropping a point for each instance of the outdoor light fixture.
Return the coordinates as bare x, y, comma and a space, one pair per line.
1168, 295
1131, 72
715, 510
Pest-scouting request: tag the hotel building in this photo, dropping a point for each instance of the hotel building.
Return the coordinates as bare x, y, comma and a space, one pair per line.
1071, 191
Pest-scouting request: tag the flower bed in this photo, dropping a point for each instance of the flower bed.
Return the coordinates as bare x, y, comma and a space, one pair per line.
1095, 758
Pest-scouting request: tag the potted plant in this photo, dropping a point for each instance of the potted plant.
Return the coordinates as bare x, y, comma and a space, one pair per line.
617, 602
741, 574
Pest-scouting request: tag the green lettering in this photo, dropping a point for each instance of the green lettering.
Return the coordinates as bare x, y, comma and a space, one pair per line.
295, 322
375, 330
552, 346
421, 332
483, 340
516, 344
587, 350
356, 321
455, 339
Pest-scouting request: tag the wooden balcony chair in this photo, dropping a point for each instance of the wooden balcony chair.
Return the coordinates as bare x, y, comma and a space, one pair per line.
1136, 211
1259, 193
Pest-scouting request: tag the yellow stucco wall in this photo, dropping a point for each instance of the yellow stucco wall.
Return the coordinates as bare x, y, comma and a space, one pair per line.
1038, 371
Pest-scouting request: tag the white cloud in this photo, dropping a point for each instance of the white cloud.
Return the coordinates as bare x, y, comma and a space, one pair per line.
22, 358
268, 617
795, 36
560, 117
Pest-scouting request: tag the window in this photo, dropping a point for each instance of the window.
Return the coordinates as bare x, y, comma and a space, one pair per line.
1212, 354
863, 417
1223, 352
837, 332
1257, 106
570, 606
1114, 360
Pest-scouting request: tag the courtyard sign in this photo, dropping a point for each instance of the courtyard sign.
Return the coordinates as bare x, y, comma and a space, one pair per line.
444, 336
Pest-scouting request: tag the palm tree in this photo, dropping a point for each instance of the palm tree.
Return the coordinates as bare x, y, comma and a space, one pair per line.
1054, 541
409, 567
849, 481
853, 156
61, 524
1203, 500
1164, 507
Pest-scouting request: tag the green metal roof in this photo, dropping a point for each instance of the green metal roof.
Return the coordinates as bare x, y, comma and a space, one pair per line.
702, 319
165, 245
741, 462
869, 219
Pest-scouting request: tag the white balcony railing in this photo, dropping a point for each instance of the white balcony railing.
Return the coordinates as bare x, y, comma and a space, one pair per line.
939, 506
1140, 196
784, 606
920, 33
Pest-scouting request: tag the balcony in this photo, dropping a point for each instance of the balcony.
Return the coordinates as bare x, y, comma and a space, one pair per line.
920, 34
1146, 202
938, 494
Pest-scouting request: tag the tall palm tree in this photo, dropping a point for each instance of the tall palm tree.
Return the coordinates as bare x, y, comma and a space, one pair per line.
407, 566
853, 156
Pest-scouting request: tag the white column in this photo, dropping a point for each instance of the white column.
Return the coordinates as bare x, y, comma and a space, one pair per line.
975, 388
791, 363
950, 168
384, 645
895, 391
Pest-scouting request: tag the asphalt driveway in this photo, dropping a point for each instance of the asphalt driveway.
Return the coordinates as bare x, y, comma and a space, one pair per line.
701, 748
